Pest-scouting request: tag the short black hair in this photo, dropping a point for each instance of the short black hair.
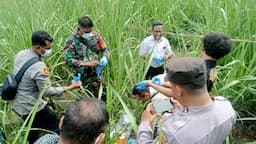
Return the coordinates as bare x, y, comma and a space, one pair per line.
40, 37
85, 22
217, 45
84, 120
156, 24
141, 93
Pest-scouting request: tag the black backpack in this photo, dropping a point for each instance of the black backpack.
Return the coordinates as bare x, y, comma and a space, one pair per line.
11, 82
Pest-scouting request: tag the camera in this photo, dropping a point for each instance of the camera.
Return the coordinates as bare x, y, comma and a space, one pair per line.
161, 106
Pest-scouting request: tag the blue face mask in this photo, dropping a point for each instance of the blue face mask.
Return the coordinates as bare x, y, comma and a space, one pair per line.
47, 53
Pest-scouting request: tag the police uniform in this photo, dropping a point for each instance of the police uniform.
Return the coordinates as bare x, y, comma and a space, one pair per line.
158, 48
34, 81
209, 124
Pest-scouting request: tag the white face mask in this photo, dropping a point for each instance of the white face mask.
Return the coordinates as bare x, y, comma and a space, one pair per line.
47, 53
87, 35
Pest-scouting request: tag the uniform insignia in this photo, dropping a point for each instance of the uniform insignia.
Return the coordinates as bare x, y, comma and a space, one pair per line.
46, 70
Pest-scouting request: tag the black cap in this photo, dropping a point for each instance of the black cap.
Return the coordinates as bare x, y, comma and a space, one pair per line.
185, 71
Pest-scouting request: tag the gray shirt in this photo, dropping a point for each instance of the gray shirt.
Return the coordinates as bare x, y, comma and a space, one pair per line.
34, 81
198, 125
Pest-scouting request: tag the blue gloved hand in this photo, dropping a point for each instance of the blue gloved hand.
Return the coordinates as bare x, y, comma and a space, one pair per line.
103, 61
76, 78
98, 70
141, 85
156, 80
158, 60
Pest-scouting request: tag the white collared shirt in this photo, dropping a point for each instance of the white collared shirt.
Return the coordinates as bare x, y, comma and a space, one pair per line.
158, 48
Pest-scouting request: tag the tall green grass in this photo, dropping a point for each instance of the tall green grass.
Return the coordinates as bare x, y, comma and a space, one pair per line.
236, 78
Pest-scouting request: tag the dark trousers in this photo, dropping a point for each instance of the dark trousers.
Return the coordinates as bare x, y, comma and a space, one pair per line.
44, 119
94, 88
154, 71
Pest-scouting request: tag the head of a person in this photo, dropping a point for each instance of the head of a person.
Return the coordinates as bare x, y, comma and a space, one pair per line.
84, 122
216, 45
85, 25
157, 30
187, 77
141, 95
42, 42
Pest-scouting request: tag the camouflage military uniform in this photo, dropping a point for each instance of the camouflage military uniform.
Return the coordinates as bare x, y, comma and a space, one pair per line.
79, 50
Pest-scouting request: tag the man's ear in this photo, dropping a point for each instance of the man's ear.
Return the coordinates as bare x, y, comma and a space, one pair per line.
179, 90
61, 122
100, 138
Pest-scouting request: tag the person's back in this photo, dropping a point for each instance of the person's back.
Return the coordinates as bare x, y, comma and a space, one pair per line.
201, 125
201, 120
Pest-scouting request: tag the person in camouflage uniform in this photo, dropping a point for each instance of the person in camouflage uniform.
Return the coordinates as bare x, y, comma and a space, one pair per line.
87, 54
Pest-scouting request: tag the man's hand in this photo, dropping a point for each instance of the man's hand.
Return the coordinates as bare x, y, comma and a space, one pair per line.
142, 85
98, 71
73, 85
76, 78
156, 80
103, 61
176, 104
92, 63
158, 60
148, 115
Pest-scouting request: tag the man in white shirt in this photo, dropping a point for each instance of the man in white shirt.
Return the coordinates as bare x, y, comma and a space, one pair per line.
157, 47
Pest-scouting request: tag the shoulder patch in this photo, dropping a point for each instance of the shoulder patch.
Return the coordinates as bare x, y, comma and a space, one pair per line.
46, 70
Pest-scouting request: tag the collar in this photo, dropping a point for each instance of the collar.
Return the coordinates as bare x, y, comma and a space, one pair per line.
210, 63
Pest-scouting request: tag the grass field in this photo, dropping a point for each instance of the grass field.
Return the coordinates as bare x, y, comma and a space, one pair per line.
124, 24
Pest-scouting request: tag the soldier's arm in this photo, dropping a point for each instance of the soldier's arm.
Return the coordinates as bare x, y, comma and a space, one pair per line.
69, 56
103, 47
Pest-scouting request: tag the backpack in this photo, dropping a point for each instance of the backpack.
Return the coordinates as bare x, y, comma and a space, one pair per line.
11, 82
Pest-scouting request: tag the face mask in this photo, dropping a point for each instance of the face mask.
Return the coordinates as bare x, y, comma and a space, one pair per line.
47, 53
86, 35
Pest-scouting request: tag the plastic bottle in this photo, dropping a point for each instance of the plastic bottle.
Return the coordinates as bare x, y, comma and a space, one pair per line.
123, 128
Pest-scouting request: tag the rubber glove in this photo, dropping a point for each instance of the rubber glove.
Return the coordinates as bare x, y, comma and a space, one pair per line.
158, 60
103, 61
141, 85
156, 80
76, 78
98, 70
